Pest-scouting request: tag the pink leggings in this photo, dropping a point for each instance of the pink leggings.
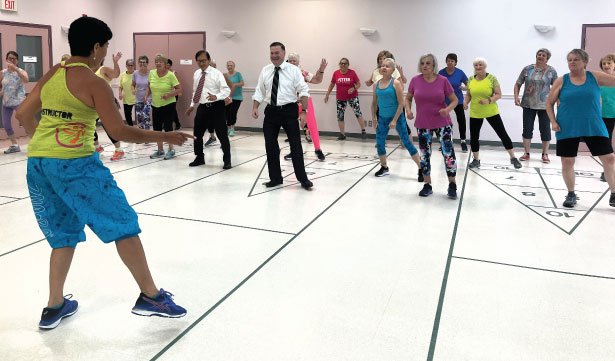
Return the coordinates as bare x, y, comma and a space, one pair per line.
311, 123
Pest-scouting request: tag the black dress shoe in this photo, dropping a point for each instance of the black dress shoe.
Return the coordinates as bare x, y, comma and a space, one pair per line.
272, 184
197, 161
307, 184
320, 155
227, 165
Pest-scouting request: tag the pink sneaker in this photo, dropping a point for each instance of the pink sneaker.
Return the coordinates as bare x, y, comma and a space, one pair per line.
118, 154
545, 159
99, 149
525, 156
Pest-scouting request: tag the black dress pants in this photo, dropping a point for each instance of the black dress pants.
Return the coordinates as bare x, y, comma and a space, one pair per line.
211, 113
286, 117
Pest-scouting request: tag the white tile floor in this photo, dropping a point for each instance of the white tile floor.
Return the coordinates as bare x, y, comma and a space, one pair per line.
359, 268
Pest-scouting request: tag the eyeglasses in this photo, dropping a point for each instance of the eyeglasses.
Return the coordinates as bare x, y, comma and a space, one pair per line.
11, 58
201, 60
130, 65
344, 63
143, 62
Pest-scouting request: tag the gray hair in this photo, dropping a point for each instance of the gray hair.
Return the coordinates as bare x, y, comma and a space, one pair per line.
161, 57
434, 62
581, 54
480, 60
546, 51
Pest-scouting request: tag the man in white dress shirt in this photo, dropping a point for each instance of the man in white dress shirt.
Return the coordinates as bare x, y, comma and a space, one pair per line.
278, 86
208, 93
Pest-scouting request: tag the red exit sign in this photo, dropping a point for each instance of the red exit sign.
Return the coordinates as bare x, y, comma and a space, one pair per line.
9, 5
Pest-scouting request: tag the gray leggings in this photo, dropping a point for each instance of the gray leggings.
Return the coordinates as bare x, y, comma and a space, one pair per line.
7, 115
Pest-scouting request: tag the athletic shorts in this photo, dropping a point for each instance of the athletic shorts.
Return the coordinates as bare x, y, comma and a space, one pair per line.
68, 194
569, 147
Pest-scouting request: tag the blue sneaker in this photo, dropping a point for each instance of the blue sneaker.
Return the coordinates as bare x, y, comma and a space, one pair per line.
51, 317
169, 154
162, 305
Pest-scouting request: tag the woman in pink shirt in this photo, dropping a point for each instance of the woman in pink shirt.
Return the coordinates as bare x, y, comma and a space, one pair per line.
429, 89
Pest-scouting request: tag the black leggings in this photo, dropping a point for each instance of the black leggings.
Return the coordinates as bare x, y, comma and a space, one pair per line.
610, 124
231, 112
461, 120
497, 125
96, 134
128, 113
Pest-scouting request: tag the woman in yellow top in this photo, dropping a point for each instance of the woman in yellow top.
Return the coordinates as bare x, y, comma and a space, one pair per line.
164, 87
126, 94
69, 186
483, 92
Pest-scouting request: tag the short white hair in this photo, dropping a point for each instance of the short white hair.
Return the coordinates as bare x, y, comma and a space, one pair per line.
294, 56
391, 62
434, 62
480, 60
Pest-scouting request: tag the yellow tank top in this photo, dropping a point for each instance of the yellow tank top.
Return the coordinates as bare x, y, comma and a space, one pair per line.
67, 125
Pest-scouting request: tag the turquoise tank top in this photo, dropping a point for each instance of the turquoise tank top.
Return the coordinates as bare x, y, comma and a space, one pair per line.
579, 113
387, 100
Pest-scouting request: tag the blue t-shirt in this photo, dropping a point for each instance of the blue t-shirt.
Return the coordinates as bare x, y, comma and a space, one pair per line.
579, 112
238, 93
456, 79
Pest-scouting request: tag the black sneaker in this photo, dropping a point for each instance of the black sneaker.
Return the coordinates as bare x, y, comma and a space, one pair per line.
475, 163
320, 155
288, 156
341, 137
571, 200
612, 200
382, 172
515, 162
452, 191
363, 134
602, 179
464, 146
426, 191
421, 178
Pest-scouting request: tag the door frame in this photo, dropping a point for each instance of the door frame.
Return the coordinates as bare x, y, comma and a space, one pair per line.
32, 25
584, 30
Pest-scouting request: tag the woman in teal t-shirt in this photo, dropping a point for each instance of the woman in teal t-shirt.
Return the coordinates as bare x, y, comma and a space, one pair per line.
236, 96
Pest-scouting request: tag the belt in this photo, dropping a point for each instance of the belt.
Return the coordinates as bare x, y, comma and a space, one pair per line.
211, 104
280, 107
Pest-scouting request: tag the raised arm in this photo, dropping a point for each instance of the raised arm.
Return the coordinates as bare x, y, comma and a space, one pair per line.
317, 78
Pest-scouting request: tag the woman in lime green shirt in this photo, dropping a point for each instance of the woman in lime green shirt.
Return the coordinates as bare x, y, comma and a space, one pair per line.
126, 93
164, 87
483, 92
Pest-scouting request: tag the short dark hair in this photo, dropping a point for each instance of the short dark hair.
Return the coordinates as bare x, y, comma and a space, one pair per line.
169, 62
452, 56
144, 57
277, 43
11, 52
85, 32
201, 52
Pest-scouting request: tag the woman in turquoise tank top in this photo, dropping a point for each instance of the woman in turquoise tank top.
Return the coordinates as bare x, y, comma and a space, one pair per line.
579, 118
69, 186
388, 100
607, 65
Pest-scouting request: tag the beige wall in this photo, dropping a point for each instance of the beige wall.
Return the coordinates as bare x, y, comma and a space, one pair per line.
503, 32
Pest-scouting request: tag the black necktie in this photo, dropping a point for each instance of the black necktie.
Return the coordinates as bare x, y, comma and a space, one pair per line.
274, 86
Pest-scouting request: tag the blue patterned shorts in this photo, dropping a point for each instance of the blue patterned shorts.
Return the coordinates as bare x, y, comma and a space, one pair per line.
68, 194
